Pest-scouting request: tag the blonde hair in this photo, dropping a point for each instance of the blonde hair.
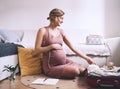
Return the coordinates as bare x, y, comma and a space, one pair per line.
55, 13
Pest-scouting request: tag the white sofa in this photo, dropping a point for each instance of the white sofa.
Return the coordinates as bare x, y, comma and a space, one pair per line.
27, 39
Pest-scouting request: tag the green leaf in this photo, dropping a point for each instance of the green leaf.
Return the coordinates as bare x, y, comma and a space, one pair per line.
10, 68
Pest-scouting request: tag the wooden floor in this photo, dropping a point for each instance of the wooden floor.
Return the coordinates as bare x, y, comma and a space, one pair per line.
5, 84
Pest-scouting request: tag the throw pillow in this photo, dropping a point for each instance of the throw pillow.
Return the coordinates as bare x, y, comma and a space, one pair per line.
94, 40
11, 35
1, 39
29, 64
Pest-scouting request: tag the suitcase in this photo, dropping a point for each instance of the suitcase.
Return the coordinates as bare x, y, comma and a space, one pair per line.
104, 81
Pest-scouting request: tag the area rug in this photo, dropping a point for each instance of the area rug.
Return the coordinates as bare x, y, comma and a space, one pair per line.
77, 83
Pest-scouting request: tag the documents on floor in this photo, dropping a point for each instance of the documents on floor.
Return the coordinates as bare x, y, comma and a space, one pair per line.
45, 81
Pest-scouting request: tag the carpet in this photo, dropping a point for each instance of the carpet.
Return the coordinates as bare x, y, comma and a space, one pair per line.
77, 83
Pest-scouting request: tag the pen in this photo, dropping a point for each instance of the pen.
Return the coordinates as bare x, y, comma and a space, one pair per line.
45, 79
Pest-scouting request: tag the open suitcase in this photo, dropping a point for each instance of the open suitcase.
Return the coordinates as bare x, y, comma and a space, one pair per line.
101, 80
105, 81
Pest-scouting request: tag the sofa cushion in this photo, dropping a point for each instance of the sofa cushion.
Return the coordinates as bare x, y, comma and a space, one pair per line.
11, 35
95, 50
29, 64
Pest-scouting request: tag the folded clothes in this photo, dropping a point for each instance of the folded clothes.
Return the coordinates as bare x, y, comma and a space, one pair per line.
95, 70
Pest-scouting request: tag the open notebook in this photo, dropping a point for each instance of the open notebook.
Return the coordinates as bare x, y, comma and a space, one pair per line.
45, 81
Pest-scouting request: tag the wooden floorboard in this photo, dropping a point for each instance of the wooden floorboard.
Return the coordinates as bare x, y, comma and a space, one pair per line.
5, 84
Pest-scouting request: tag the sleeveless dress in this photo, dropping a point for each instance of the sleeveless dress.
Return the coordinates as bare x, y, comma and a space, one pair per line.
54, 63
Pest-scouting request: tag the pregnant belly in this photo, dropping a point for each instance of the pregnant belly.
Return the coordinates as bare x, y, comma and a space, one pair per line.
58, 57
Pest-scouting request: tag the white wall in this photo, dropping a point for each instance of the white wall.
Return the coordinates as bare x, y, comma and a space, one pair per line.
93, 16
31, 14
112, 18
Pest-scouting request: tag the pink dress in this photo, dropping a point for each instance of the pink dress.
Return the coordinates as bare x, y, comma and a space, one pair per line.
54, 63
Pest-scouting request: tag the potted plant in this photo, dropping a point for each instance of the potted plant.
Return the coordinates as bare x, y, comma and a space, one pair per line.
11, 70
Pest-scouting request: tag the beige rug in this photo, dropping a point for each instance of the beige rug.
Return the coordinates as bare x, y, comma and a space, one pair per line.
77, 83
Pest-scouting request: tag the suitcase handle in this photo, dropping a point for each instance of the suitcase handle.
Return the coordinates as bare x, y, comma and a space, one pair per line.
115, 82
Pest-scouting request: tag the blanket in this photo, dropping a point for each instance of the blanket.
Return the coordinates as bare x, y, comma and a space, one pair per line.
7, 49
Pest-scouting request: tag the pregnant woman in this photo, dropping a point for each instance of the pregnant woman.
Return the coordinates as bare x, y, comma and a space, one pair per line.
49, 41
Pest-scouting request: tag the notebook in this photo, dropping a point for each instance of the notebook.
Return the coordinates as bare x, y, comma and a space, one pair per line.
45, 81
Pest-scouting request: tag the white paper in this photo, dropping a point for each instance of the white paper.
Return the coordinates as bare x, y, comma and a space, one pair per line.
45, 81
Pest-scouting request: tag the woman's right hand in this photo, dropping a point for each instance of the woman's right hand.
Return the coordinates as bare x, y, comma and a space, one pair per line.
56, 46
90, 60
